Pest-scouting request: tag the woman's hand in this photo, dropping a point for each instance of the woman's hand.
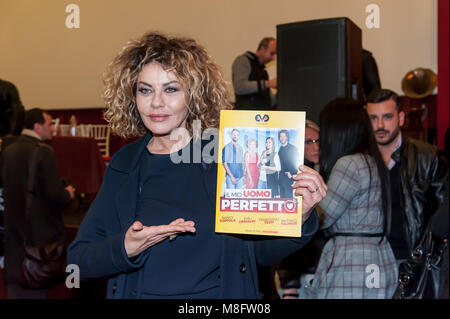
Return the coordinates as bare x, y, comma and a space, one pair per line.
310, 185
139, 237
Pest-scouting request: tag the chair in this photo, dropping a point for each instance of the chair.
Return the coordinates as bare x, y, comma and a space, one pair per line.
101, 133
56, 124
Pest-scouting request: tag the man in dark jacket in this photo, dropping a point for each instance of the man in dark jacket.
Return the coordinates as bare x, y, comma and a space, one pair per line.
250, 79
371, 77
50, 196
418, 173
12, 115
289, 161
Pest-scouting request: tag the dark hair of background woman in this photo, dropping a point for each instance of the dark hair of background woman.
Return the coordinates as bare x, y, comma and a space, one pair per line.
12, 111
345, 129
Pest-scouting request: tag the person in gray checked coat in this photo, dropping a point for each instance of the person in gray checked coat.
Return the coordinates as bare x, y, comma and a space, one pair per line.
357, 262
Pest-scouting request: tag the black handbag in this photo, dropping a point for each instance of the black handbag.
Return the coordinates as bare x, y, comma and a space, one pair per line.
44, 265
419, 276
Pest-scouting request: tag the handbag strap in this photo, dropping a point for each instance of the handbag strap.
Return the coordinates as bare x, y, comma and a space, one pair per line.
425, 244
32, 165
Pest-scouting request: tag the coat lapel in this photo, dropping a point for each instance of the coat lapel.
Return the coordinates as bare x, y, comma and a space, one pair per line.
126, 199
209, 180
127, 193
209, 169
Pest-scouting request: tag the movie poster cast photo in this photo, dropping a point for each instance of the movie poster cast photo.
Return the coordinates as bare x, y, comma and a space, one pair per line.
257, 160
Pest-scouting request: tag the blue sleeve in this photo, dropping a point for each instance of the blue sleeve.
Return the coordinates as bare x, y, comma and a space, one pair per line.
223, 154
99, 249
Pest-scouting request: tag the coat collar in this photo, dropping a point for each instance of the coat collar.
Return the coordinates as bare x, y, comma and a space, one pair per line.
253, 57
29, 138
128, 157
31, 133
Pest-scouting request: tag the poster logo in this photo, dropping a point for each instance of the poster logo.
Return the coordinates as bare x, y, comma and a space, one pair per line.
263, 118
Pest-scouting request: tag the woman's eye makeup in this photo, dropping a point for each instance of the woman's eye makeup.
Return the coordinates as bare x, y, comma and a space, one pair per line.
172, 89
146, 90
143, 90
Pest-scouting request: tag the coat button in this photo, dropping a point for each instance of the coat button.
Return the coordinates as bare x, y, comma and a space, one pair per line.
242, 268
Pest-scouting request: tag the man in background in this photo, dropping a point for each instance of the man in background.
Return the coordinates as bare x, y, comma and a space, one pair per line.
418, 173
12, 114
233, 159
371, 77
289, 161
49, 198
250, 79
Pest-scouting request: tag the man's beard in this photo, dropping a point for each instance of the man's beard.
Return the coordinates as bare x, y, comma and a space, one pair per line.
392, 137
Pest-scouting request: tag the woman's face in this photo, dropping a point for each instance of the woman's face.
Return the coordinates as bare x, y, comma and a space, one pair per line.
252, 146
269, 144
312, 145
160, 99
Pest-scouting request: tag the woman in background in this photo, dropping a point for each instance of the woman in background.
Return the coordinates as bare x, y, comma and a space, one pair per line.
357, 261
251, 159
269, 164
296, 271
312, 132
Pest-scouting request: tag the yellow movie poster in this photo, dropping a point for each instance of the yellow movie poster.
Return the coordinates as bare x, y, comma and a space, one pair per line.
259, 152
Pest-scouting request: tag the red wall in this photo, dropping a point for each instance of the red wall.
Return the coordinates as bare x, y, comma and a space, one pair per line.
443, 57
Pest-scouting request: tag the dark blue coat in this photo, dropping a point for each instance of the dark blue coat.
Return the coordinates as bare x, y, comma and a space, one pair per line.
99, 248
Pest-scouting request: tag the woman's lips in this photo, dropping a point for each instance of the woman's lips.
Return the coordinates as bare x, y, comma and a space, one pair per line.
158, 117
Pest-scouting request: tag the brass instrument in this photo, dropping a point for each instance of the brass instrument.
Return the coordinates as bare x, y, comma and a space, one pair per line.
418, 84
